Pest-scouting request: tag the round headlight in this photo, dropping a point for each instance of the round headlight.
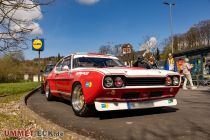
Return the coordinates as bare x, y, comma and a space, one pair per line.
118, 82
108, 82
175, 81
168, 81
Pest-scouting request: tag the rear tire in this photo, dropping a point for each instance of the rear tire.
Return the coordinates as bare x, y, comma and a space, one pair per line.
48, 94
79, 106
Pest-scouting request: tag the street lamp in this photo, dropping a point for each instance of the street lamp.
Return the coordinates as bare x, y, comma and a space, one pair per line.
170, 14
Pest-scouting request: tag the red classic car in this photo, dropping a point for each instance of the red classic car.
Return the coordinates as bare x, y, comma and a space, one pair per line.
102, 81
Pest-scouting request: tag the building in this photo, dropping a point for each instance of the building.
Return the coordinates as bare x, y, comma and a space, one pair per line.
127, 54
127, 48
130, 58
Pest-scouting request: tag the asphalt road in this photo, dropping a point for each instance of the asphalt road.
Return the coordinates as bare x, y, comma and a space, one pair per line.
190, 119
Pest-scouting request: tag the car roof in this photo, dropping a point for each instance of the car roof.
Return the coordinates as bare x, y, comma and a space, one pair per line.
97, 55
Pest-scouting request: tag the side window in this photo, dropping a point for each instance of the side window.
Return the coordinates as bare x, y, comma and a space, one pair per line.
75, 63
59, 66
67, 62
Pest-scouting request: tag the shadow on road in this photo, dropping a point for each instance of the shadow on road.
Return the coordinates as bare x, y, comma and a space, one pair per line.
133, 113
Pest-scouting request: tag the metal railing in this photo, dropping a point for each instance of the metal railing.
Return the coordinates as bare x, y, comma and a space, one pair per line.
200, 80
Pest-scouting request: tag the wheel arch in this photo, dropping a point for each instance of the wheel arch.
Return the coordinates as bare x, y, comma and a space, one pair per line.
75, 83
45, 84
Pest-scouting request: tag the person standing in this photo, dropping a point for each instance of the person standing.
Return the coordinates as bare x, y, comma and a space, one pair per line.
152, 63
141, 63
170, 63
186, 71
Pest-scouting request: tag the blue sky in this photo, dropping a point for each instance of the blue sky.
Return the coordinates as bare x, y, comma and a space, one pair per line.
69, 26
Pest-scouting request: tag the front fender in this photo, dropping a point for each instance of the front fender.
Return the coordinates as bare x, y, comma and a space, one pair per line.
91, 84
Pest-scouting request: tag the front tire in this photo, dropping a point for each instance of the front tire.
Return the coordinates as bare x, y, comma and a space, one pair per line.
79, 106
48, 94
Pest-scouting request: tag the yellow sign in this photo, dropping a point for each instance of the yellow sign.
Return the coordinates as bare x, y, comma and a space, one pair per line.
37, 44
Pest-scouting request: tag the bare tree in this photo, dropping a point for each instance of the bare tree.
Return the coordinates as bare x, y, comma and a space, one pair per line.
197, 36
149, 44
18, 21
117, 50
105, 49
165, 44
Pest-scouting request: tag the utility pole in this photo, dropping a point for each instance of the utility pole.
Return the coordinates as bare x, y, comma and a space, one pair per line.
171, 28
39, 75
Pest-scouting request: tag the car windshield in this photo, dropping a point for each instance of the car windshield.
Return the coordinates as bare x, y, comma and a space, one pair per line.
49, 68
97, 62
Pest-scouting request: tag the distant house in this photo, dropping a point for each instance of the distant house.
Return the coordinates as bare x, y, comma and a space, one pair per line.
129, 56
127, 48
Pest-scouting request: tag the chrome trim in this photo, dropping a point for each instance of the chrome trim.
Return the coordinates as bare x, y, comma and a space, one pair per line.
61, 92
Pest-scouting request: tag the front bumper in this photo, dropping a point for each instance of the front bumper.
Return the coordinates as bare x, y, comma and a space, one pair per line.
108, 106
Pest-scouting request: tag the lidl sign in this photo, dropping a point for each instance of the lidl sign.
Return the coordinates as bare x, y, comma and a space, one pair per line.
38, 44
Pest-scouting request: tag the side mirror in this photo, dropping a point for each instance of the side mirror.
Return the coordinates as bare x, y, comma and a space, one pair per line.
65, 68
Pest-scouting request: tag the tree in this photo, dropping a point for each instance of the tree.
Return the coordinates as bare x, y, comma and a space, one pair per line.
197, 36
149, 45
116, 50
11, 68
59, 56
166, 48
105, 49
157, 54
18, 21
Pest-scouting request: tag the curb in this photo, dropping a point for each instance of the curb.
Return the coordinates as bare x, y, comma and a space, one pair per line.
47, 125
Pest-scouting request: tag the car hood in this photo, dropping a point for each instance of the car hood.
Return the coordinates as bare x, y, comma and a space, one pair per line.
136, 72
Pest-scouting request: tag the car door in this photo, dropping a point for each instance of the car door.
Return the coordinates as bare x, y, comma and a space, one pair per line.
64, 78
56, 75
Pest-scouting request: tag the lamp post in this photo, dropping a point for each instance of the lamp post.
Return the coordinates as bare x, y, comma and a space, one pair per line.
170, 14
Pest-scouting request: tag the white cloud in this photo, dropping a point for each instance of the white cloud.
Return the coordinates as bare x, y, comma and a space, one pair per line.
28, 14
87, 2
26, 18
36, 30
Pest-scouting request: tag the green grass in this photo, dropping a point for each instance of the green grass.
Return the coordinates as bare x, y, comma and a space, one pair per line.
17, 88
14, 91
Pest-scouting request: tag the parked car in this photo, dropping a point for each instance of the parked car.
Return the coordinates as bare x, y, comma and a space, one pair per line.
45, 73
107, 84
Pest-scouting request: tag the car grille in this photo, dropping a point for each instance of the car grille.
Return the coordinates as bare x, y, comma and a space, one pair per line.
145, 81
